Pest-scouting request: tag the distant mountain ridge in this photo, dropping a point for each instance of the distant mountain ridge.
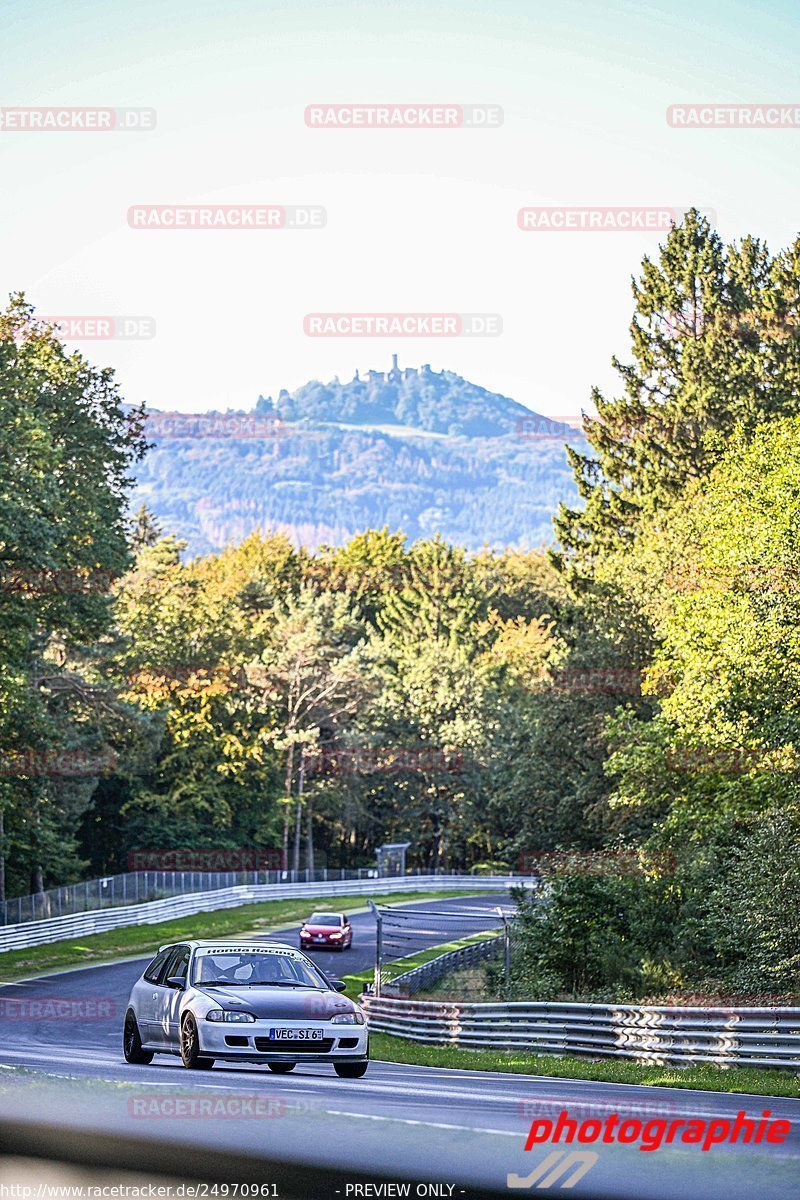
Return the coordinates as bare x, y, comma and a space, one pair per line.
419, 450
433, 401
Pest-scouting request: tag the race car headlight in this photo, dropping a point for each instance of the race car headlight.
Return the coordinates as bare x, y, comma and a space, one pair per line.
223, 1014
351, 1018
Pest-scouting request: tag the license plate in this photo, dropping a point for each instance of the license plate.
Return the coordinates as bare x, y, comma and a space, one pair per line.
319, 937
296, 1035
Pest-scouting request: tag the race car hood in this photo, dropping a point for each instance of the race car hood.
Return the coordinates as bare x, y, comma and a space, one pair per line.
323, 928
281, 1003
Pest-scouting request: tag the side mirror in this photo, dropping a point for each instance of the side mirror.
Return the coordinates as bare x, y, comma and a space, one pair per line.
175, 981
338, 985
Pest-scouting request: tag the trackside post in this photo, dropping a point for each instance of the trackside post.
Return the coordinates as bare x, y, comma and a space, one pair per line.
378, 948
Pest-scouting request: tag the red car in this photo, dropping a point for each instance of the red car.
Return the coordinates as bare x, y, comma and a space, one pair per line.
326, 929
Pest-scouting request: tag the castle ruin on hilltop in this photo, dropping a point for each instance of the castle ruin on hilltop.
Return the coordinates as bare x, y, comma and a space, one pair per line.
395, 375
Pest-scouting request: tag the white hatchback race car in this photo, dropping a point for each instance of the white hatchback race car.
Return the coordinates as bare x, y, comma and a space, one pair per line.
243, 1002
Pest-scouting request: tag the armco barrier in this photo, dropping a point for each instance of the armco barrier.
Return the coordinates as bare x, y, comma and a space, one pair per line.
756, 1037
137, 887
36, 933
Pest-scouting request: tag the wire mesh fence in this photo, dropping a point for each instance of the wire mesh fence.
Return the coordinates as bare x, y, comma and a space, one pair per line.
403, 932
138, 887
419, 979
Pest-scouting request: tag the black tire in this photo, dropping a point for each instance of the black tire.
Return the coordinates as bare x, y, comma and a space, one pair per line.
132, 1042
281, 1068
190, 1047
350, 1070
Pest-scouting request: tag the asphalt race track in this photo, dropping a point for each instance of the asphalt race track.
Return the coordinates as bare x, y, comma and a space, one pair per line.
463, 1131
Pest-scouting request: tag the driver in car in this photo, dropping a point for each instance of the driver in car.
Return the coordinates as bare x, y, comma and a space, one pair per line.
266, 970
210, 970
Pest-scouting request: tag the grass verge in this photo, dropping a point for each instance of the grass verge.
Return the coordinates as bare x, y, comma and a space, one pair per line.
357, 983
701, 1077
135, 939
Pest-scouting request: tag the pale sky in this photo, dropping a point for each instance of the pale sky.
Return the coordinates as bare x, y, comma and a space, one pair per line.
417, 220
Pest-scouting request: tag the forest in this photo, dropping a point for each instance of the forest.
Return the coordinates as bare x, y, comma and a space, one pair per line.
619, 713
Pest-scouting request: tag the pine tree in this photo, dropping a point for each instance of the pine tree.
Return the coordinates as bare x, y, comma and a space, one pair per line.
146, 529
712, 350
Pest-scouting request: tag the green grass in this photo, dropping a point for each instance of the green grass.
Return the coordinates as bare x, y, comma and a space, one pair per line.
273, 914
357, 983
702, 1077
143, 939
469, 985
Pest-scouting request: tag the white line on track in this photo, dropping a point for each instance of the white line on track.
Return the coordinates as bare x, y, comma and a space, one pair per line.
334, 1112
304, 1085
317, 1087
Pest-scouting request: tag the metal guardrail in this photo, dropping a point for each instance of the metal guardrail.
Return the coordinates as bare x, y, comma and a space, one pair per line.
35, 933
757, 1037
137, 887
430, 972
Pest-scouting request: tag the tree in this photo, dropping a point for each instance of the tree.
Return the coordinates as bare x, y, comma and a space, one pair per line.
434, 697
146, 530
313, 671
751, 916
719, 581
66, 450
521, 584
714, 348
597, 936
367, 570
201, 769
438, 598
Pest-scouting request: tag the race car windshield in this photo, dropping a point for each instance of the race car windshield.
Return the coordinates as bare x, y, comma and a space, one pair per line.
243, 968
324, 919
